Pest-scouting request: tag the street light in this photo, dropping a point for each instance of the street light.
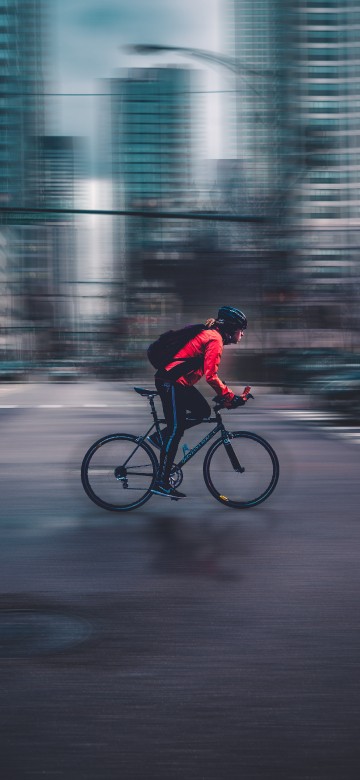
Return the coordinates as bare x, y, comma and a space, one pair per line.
236, 66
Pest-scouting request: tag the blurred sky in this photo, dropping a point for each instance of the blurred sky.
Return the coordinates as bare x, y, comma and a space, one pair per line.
86, 41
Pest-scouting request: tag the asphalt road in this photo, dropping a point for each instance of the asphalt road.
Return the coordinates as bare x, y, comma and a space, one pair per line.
184, 640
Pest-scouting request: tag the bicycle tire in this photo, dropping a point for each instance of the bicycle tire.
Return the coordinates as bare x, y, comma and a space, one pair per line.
252, 459
97, 475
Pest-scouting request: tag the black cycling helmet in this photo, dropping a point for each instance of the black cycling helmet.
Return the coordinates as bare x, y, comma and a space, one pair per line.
229, 316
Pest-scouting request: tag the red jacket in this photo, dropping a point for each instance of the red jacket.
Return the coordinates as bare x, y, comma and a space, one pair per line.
209, 344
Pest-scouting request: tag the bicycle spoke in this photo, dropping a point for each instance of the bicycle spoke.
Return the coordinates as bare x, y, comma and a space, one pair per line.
135, 488
139, 466
248, 486
116, 469
137, 474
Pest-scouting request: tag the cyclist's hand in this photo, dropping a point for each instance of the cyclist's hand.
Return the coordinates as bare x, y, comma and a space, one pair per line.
222, 401
233, 403
246, 393
238, 400
228, 403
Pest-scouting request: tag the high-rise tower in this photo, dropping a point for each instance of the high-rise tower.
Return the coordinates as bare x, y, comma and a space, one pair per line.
253, 38
295, 123
324, 115
153, 143
21, 95
21, 120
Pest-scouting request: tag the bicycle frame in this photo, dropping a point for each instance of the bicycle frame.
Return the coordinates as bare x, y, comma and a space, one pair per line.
219, 428
98, 476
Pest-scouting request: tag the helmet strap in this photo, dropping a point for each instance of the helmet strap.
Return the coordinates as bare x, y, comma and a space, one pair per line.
226, 336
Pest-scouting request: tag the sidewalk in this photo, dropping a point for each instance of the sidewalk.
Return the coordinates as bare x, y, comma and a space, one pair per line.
118, 394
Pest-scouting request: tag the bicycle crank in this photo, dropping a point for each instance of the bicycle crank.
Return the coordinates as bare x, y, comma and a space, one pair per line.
176, 476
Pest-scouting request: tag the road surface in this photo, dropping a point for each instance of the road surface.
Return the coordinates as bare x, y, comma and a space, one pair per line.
184, 640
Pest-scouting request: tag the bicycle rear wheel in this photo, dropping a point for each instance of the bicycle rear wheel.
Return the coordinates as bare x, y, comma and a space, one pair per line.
259, 476
118, 472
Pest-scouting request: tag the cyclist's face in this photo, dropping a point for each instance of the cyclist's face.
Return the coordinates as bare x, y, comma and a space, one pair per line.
237, 336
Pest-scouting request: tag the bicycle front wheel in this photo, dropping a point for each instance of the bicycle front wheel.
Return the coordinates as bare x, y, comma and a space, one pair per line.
256, 480
118, 472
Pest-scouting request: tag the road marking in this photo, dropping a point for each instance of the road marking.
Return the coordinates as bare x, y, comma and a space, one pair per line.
94, 406
49, 406
353, 436
342, 428
306, 414
119, 405
348, 432
10, 389
68, 406
101, 472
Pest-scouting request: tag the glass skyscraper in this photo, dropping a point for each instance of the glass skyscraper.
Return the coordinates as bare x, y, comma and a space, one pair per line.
253, 38
296, 127
21, 95
153, 139
324, 114
21, 120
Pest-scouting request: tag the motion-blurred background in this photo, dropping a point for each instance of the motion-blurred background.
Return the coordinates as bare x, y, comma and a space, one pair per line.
159, 159
222, 141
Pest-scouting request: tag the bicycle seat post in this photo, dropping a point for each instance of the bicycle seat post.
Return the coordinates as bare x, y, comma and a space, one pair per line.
153, 410
217, 415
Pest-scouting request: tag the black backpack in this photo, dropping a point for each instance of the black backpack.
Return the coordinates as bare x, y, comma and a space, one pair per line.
162, 351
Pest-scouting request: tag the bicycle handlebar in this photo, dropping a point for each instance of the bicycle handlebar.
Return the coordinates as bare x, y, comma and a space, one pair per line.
220, 402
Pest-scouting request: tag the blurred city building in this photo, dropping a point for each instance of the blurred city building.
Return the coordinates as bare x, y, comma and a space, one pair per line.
22, 55
95, 287
155, 140
59, 187
39, 254
153, 123
293, 122
21, 92
324, 120
253, 38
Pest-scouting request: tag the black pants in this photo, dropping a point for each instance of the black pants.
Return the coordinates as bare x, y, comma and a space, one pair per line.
177, 400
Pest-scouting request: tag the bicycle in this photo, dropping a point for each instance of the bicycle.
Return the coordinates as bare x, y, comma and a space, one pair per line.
240, 468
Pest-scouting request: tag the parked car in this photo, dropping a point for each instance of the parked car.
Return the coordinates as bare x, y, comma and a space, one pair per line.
339, 392
303, 369
13, 371
63, 371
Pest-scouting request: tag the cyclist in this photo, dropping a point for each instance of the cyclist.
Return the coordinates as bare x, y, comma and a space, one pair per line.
175, 385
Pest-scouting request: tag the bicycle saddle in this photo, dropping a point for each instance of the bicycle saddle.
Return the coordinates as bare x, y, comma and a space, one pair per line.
143, 391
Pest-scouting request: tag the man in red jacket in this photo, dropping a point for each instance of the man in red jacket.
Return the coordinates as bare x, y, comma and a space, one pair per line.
175, 385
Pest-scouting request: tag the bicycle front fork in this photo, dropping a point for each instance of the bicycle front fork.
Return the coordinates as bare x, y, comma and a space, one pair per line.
232, 456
